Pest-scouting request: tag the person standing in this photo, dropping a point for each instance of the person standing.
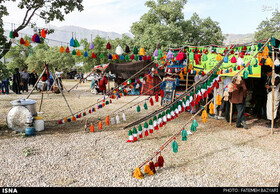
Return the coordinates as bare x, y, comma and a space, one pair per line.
260, 96
45, 79
82, 77
269, 86
238, 97
5, 86
58, 76
102, 85
33, 78
25, 79
225, 101
16, 81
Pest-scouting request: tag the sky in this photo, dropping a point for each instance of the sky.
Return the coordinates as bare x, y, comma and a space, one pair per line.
233, 16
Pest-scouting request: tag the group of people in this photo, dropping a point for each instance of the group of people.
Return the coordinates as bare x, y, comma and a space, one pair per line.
19, 81
49, 83
261, 98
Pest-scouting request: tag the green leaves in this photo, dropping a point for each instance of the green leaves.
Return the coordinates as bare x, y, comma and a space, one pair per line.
269, 27
164, 23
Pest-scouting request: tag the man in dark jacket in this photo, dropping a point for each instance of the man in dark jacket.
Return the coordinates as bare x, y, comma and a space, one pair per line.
238, 97
33, 78
269, 108
16, 81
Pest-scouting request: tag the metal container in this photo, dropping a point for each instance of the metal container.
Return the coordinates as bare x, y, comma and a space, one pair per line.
17, 117
27, 103
30, 131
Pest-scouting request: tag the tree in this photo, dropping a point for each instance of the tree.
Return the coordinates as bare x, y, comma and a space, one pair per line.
45, 9
164, 24
202, 31
161, 25
269, 27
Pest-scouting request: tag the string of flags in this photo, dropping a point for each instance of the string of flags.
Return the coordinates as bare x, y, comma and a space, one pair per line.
186, 104
149, 168
202, 92
36, 38
110, 119
118, 93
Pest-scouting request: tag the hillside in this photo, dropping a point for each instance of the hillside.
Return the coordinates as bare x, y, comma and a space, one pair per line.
238, 38
64, 34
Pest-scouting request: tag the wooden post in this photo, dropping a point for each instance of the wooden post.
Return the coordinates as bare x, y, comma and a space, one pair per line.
215, 105
108, 82
42, 97
187, 81
36, 83
273, 82
230, 114
58, 85
194, 98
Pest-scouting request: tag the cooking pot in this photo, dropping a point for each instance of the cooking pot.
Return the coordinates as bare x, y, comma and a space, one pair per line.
27, 103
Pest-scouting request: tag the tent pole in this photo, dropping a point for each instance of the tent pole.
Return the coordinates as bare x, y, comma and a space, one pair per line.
35, 85
230, 116
273, 81
215, 102
187, 81
42, 97
56, 80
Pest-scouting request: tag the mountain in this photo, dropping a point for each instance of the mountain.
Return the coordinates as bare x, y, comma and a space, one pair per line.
62, 35
238, 38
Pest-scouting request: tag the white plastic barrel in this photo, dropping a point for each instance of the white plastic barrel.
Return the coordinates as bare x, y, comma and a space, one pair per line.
39, 124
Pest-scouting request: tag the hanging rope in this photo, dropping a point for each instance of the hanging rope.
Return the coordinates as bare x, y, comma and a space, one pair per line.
118, 110
193, 117
106, 97
190, 89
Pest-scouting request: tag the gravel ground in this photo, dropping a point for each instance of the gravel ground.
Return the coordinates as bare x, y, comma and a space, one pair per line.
217, 155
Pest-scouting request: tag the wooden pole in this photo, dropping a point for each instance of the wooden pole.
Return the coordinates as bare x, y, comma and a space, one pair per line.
230, 114
58, 85
36, 83
108, 82
194, 99
42, 97
187, 81
215, 105
273, 82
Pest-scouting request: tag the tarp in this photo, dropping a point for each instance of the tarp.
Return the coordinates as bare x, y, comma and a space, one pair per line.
124, 71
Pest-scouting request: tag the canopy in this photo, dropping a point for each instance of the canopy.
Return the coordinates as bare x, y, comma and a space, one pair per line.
124, 71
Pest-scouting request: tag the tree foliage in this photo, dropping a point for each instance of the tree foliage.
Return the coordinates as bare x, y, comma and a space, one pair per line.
164, 24
269, 27
45, 9
36, 55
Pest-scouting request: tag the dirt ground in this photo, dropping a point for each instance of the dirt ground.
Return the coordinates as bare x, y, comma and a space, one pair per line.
217, 155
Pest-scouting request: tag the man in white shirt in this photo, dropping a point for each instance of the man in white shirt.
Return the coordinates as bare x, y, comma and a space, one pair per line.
58, 76
25, 78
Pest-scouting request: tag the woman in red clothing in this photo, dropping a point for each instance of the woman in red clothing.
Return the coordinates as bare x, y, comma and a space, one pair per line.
102, 84
45, 78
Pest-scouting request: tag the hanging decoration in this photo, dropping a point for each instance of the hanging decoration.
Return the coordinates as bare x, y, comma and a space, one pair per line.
119, 50
142, 52
127, 49
135, 50
61, 49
